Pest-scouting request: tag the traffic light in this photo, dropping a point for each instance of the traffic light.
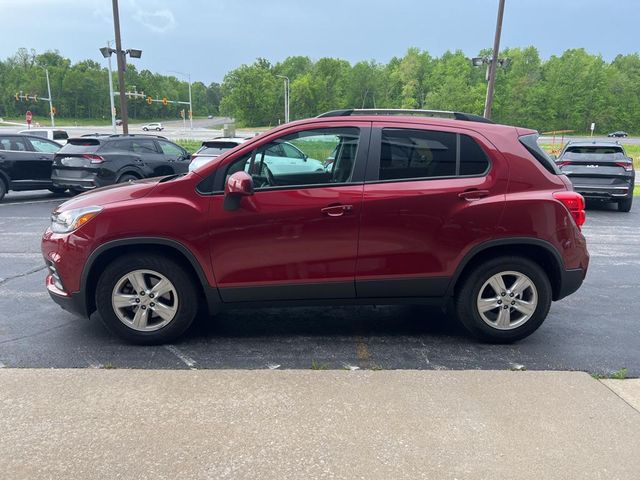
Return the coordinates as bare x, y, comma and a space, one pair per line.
149, 100
54, 110
17, 97
182, 113
165, 102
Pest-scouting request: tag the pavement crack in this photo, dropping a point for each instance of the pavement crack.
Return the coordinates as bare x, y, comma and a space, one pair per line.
20, 275
619, 396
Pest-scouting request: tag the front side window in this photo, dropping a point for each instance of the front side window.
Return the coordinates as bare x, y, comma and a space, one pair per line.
303, 158
171, 149
43, 146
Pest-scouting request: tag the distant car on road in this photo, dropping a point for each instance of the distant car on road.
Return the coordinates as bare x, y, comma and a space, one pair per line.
599, 171
25, 163
619, 134
153, 126
59, 136
96, 161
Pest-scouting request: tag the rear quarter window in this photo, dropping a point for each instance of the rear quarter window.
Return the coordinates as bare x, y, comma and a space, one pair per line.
530, 142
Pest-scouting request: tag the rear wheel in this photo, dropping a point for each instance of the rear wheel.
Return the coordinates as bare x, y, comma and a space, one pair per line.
3, 189
504, 299
625, 205
127, 178
146, 299
145, 129
57, 190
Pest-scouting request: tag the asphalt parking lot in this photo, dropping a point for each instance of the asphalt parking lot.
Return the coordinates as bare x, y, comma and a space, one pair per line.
595, 330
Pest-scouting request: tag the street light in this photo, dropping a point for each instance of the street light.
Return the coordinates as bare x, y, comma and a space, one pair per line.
120, 55
106, 53
188, 75
286, 97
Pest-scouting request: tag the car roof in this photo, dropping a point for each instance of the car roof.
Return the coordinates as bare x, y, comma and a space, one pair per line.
594, 143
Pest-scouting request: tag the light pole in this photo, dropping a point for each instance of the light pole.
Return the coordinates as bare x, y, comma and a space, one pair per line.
113, 108
188, 75
286, 97
120, 56
488, 104
53, 117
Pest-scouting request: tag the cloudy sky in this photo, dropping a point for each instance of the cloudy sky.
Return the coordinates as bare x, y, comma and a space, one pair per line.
210, 37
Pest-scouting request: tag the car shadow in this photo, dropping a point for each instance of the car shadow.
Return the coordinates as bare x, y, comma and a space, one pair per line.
405, 320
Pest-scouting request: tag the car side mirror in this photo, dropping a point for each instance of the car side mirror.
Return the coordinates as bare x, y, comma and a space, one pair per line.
238, 185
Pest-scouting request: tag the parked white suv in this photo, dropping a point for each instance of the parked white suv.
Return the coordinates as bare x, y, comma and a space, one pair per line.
153, 126
59, 136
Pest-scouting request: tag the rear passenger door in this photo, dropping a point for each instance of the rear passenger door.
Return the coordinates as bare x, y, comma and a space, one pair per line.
153, 161
22, 164
429, 196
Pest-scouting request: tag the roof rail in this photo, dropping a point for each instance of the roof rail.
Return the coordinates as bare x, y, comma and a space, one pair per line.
137, 135
401, 111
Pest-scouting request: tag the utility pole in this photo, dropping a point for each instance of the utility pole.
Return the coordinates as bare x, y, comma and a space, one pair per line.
121, 69
286, 97
488, 104
190, 106
53, 117
113, 108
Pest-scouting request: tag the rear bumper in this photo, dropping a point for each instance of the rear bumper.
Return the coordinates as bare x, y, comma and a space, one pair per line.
85, 179
570, 281
604, 188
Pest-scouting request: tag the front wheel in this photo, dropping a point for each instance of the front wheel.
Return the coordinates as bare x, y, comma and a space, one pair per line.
146, 299
3, 189
145, 129
625, 205
504, 299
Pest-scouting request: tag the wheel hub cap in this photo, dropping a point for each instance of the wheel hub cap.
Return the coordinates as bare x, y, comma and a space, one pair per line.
507, 300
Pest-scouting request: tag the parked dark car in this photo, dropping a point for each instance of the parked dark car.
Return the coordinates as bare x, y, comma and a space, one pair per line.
600, 171
25, 163
619, 134
97, 160
446, 211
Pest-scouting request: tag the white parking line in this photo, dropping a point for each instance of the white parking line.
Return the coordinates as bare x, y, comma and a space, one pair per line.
188, 361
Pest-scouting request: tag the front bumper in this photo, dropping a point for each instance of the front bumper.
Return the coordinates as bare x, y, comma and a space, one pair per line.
73, 303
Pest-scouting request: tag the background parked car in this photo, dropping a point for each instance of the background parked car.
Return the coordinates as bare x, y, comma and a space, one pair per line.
97, 161
211, 149
153, 126
619, 133
599, 171
25, 163
59, 136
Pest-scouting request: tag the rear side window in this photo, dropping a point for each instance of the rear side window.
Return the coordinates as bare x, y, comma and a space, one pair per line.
117, 146
417, 154
60, 135
413, 154
16, 144
143, 146
530, 142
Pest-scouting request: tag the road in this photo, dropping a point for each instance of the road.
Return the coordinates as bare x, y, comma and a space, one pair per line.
203, 129
595, 330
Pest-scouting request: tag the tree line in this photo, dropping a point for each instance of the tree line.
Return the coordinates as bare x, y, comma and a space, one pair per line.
564, 92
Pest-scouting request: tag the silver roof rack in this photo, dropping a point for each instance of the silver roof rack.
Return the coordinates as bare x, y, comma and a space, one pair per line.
401, 111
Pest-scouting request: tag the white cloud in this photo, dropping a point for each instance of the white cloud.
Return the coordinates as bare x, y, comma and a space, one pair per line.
158, 21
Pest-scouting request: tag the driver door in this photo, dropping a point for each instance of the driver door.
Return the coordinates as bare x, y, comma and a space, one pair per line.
296, 237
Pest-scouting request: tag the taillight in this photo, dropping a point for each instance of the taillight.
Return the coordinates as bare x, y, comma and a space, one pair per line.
563, 163
574, 203
628, 166
93, 158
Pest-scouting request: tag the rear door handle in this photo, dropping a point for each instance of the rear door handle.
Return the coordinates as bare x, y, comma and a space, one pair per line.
336, 210
471, 195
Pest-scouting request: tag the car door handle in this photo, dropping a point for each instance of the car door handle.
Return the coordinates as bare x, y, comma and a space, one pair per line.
471, 195
336, 210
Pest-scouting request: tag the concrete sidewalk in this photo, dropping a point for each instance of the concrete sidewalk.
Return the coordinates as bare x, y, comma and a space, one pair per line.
86, 424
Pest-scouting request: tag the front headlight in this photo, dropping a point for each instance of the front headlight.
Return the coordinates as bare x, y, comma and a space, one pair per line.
70, 220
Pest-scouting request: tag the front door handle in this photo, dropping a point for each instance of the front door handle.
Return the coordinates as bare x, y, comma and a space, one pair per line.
471, 195
336, 210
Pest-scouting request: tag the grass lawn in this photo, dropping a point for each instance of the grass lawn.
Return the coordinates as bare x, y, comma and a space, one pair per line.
189, 145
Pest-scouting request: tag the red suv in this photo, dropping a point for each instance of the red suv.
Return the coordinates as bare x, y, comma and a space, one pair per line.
382, 207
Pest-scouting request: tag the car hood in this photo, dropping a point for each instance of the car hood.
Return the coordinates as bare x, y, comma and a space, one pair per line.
114, 193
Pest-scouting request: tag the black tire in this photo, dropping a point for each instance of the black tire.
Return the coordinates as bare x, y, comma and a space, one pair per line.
3, 189
625, 205
158, 129
467, 311
127, 177
145, 129
57, 190
187, 298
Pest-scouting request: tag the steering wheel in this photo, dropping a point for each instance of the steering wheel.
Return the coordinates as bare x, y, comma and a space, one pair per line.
265, 177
